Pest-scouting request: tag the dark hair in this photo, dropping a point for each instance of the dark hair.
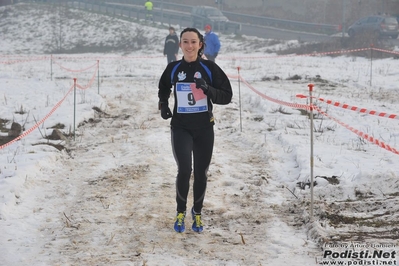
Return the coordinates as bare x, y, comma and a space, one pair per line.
200, 37
171, 28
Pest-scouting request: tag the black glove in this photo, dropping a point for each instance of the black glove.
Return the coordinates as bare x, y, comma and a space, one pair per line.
201, 84
166, 113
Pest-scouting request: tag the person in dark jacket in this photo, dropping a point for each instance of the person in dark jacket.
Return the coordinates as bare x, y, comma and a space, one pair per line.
171, 47
197, 85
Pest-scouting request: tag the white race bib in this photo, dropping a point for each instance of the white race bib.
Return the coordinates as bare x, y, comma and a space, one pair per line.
186, 103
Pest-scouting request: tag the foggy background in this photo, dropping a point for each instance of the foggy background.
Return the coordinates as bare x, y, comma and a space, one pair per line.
336, 12
313, 11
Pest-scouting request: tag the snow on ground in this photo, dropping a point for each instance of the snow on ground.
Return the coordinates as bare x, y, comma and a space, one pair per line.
108, 197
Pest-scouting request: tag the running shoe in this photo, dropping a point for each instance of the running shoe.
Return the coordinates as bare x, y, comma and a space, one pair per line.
198, 226
179, 222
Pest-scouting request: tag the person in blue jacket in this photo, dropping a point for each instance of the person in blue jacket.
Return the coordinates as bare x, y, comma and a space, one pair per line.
212, 43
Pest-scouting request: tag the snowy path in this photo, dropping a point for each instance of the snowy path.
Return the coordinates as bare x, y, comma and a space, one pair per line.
112, 207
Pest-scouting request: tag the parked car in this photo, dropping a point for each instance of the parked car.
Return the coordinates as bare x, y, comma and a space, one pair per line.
203, 15
380, 26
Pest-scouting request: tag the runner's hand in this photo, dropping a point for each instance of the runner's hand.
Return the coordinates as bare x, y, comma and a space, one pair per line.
166, 113
201, 84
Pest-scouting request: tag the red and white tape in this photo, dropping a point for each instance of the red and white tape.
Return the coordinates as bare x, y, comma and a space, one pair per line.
295, 55
360, 133
352, 108
71, 70
307, 107
90, 81
293, 105
14, 61
386, 51
38, 123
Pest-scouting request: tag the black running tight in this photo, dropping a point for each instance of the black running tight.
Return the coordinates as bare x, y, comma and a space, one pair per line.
188, 144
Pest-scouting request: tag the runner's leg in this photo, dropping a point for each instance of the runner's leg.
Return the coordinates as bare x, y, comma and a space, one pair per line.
182, 146
202, 151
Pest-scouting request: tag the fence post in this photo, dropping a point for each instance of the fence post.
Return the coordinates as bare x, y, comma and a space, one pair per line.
98, 76
74, 109
51, 67
162, 12
311, 149
239, 95
371, 64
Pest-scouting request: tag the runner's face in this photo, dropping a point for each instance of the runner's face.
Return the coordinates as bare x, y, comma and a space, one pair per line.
190, 44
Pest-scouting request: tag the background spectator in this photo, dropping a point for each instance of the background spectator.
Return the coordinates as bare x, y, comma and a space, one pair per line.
212, 43
148, 6
171, 48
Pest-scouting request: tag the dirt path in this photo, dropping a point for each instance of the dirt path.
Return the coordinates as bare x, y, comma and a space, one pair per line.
111, 200
114, 198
